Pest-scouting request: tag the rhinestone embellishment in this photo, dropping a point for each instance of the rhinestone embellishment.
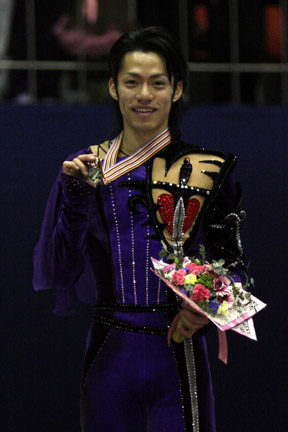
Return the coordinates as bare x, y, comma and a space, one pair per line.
166, 210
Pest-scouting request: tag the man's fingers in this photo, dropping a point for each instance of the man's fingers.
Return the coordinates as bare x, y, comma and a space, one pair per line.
70, 168
77, 167
87, 157
186, 333
191, 318
191, 322
192, 325
81, 167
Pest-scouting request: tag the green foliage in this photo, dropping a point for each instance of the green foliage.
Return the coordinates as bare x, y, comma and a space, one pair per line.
164, 251
202, 252
218, 264
171, 257
162, 254
206, 280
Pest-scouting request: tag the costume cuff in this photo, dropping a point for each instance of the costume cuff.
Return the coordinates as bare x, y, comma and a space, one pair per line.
76, 190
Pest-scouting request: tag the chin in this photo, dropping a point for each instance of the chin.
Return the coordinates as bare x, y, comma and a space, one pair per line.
149, 127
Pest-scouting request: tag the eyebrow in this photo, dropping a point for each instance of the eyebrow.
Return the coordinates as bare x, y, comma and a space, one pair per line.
136, 75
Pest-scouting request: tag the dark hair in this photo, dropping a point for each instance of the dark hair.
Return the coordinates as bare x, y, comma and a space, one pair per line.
158, 40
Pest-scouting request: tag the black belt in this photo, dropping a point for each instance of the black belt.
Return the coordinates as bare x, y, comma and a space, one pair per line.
128, 307
126, 326
123, 325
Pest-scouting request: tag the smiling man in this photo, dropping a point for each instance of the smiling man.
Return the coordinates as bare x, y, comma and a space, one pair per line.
101, 229
145, 95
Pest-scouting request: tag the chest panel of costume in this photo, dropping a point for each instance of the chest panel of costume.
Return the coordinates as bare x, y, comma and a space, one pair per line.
180, 171
191, 177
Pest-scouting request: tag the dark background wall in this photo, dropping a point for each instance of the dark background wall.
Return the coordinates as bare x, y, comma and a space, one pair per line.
41, 354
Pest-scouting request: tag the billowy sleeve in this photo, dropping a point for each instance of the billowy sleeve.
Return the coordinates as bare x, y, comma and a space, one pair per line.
60, 256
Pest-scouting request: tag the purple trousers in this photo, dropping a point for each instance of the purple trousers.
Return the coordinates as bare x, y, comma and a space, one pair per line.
135, 382
131, 384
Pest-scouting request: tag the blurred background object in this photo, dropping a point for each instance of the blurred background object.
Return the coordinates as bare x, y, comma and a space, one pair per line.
52, 44
57, 51
6, 13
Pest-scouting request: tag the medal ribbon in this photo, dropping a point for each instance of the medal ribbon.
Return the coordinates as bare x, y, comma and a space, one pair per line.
112, 170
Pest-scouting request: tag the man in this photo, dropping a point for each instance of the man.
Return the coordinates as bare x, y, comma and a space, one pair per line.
98, 237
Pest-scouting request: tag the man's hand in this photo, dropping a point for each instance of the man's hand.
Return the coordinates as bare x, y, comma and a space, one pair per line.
78, 168
190, 321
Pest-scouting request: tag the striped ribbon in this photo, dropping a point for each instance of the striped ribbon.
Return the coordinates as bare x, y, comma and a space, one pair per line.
112, 170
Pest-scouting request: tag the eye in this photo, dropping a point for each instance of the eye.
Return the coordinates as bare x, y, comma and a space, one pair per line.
131, 83
159, 83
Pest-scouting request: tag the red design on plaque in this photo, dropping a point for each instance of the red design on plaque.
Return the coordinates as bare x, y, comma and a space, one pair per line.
166, 210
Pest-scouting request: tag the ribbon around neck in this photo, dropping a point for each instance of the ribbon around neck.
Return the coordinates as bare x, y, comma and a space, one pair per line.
112, 170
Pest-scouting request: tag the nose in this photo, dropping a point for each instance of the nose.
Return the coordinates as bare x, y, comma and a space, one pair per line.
144, 93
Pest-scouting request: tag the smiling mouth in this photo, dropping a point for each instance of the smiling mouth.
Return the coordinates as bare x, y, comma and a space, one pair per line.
144, 110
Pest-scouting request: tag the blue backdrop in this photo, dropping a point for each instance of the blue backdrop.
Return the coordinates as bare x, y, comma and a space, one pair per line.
41, 354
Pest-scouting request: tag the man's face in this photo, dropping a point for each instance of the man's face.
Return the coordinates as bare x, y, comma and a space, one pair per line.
145, 93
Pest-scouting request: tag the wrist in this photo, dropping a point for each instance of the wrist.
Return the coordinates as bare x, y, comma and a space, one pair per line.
76, 190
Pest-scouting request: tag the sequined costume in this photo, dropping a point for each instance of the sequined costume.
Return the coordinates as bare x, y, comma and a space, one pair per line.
95, 246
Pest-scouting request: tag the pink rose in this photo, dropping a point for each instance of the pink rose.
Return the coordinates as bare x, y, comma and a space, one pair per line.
178, 277
200, 293
196, 269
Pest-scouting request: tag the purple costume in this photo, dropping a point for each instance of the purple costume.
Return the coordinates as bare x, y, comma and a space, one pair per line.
95, 246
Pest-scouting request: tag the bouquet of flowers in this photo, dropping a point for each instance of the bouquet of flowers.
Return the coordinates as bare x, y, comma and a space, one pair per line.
209, 288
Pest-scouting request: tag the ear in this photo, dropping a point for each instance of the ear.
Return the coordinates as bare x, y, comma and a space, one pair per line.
178, 91
113, 89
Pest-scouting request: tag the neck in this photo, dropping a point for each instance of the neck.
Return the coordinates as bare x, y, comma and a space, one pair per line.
132, 140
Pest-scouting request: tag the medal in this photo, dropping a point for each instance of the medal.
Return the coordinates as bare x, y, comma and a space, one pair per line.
95, 172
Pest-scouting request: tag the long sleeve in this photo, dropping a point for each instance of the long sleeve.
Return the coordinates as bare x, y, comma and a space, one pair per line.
60, 256
66, 252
